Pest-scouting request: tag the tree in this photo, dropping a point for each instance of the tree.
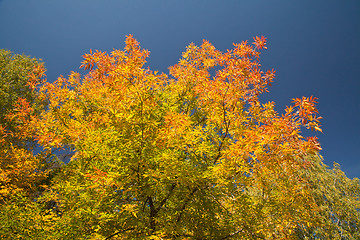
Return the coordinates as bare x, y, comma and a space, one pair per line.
15, 71
22, 171
20, 168
338, 199
191, 156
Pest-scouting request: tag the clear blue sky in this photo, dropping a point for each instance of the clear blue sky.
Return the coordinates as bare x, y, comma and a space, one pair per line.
313, 46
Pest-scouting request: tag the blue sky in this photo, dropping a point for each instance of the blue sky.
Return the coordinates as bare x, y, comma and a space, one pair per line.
313, 46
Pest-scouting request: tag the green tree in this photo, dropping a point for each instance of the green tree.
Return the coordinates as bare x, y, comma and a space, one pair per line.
15, 72
22, 171
19, 74
338, 199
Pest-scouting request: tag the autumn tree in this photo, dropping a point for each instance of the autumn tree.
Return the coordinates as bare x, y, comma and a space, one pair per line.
190, 155
22, 171
18, 103
15, 70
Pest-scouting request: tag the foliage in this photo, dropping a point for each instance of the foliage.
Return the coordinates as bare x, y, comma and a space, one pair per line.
193, 155
338, 198
20, 169
19, 75
22, 218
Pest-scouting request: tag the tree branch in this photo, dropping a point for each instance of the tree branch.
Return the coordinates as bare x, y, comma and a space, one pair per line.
166, 198
227, 124
232, 234
119, 232
152, 214
186, 202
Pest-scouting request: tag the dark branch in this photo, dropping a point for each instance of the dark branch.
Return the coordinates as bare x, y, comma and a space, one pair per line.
232, 234
166, 198
119, 232
227, 124
152, 214
187, 200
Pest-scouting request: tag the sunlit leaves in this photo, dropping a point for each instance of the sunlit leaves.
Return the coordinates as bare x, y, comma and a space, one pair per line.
186, 142
260, 42
192, 155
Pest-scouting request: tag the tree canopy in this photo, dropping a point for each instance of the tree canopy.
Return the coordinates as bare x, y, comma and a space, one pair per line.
189, 155
20, 169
